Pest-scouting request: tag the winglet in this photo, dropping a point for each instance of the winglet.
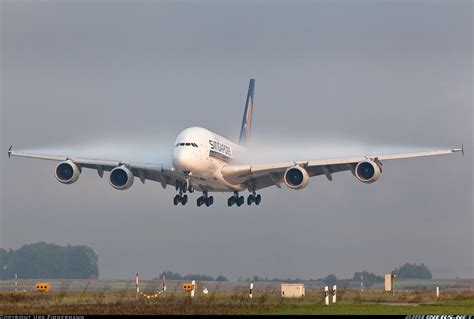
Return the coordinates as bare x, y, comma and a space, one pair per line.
459, 150
10, 151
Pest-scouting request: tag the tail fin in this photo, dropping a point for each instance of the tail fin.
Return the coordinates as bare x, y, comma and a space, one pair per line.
246, 127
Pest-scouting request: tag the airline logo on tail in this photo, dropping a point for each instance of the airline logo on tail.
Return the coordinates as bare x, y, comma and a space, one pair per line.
245, 130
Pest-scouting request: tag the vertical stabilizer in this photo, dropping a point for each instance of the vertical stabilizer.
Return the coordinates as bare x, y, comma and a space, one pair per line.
246, 127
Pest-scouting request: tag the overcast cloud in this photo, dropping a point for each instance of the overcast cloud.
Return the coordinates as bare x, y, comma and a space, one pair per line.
123, 78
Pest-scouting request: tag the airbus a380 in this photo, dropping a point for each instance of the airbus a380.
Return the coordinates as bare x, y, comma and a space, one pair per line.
207, 162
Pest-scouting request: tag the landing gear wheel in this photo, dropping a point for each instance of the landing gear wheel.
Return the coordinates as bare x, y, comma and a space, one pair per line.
250, 200
240, 201
230, 201
258, 199
191, 189
209, 201
176, 200
200, 201
184, 199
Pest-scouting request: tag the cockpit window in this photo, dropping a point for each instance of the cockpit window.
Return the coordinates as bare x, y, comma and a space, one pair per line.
186, 144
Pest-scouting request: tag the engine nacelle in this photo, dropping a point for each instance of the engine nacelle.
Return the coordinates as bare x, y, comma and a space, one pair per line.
67, 172
367, 171
121, 178
296, 177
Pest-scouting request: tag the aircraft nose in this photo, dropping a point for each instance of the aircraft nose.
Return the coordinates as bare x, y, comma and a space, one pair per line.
182, 159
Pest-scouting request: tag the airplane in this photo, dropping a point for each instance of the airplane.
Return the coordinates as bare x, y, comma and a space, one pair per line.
207, 162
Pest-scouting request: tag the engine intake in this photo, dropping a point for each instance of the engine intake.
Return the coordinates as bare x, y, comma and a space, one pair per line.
296, 177
67, 172
367, 171
121, 178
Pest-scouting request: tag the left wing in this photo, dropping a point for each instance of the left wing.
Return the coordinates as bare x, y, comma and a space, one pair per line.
155, 172
264, 175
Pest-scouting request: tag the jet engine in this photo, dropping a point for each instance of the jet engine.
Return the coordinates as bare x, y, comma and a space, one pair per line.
296, 177
367, 171
67, 172
121, 178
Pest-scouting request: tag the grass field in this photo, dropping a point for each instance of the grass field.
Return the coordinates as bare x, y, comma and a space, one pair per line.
125, 302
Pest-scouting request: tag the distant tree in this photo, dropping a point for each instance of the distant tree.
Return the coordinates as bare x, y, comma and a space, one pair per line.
369, 278
171, 275
43, 260
330, 280
5, 264
221, 278
266, 279
175, 276
413, 271
198, 277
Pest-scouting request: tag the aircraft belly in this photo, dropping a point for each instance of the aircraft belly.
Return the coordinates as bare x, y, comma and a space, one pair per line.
211, 179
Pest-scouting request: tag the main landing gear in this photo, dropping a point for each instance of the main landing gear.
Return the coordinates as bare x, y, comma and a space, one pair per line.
205, 199
254, 198
180, 198
235, 199
239, 200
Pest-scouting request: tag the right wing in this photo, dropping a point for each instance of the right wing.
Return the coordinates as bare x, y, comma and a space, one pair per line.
144, 171
265, 175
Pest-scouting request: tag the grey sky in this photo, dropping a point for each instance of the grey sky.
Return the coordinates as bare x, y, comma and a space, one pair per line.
127, 77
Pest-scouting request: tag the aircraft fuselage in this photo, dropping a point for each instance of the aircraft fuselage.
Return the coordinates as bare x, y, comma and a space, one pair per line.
202, 154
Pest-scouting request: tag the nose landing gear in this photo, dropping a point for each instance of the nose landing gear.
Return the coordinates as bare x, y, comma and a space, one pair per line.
188, 185
180, 198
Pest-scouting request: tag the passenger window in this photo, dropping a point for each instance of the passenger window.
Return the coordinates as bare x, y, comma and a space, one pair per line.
182, 144
188, 144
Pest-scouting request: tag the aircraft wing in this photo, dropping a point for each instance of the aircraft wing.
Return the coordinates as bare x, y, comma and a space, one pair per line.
265, 175
144, 171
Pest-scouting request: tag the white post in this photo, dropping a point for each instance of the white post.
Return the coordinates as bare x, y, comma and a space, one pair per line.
361, 283
136, 284
334, 290
326, 295
164, 283
194, 287
16, 282
251, 288
437, 292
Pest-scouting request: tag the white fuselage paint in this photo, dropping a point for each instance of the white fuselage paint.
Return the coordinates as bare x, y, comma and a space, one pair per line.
205, 161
